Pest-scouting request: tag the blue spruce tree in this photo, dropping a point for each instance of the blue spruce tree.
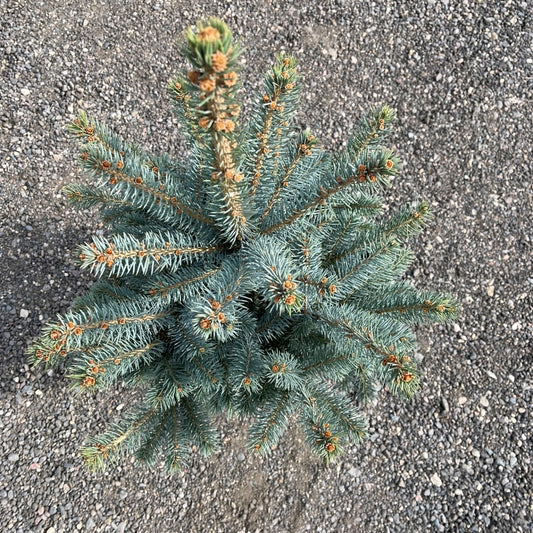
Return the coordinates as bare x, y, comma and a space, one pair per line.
257, 277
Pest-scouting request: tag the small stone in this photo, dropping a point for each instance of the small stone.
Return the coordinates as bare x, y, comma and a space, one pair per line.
89, 525
491, 375
462, 400
435, 479
13, 457
490, 291
468, 469
445, 405
484, 402
354, 472
51, 530
241, 457
121, 527
24, 313
25, 92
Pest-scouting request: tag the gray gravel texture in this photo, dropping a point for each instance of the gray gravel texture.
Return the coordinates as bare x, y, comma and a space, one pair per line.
460, 73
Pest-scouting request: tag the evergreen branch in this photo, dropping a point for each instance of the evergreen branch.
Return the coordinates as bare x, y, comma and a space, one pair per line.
172, 286
389, 341
95, 136
98, 368
107, 444
305, 144
346, 226
342, 414
319, 435
215, 55
157, 194
372, 168
267, 430
324, 363
284, 371
270, 119
126, 254
387, 267
362, 382
407, 222
383, 248
177, 454
199, 428
96, 325
176, 88
372, 131
83, 197
146, 451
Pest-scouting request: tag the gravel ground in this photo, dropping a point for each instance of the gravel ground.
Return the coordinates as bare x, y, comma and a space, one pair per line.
460, 73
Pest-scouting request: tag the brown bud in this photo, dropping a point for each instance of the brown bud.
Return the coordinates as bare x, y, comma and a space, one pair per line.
208, 35
290, 299
88, 381
207, 85
204, 122
230, 79
194, 76
219, 61
205, 323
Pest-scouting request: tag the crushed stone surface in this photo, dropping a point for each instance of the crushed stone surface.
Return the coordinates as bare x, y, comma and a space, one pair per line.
460, 73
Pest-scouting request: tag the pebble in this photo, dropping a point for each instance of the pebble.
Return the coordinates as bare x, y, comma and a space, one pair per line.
484, 401
462, 400
490, 291
354, 472
468, 469
435, 479
13, 457
24, 313
25, 92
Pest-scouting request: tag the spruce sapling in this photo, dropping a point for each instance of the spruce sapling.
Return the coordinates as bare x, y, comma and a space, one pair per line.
257, 277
